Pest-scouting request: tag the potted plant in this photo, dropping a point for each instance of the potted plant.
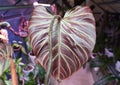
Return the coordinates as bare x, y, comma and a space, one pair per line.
32, 57
27, 69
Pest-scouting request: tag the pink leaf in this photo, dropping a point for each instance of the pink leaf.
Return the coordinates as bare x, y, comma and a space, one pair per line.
73, 39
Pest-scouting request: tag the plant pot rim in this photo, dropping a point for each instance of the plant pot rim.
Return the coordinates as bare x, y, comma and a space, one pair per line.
16, 49
30, 70
32, 57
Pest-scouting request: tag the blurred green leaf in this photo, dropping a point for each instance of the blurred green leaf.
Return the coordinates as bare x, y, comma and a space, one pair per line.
15, 45
105, 79
18, 60
31, 80
8, 82
4, 65
19, 70
28, 45
1, 67
7, 64
39, 72
23, 50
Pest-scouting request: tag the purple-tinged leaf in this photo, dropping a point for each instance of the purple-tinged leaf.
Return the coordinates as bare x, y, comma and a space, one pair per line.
73, 39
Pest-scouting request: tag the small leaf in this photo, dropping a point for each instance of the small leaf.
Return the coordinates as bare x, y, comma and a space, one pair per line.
39, 72
15, 45
7, 64
8, 82
23, 50
1, 66
18, 60
4, 65
19, 70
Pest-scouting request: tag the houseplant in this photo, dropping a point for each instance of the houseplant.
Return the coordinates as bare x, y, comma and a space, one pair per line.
62, 43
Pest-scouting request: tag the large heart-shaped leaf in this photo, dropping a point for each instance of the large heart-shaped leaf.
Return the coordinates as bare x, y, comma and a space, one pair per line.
73, 39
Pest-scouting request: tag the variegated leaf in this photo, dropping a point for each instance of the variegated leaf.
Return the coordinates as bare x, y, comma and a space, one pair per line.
5, 54
73, 39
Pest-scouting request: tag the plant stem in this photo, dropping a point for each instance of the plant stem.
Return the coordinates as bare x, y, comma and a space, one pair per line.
50, 50
12, 66
13, 72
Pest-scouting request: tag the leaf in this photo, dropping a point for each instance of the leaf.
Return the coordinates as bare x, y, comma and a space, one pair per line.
4, 65
18, 60
2, 52
105, 79
5, 53
73, 39
39, 72
1, 65
8, 82
23, 50
16, 45
31, 80
21, 47
7, 64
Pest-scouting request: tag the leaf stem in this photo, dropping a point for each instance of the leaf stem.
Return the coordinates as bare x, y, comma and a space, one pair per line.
50, 49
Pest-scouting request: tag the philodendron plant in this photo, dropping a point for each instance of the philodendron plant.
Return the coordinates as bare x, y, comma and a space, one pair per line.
62, 44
